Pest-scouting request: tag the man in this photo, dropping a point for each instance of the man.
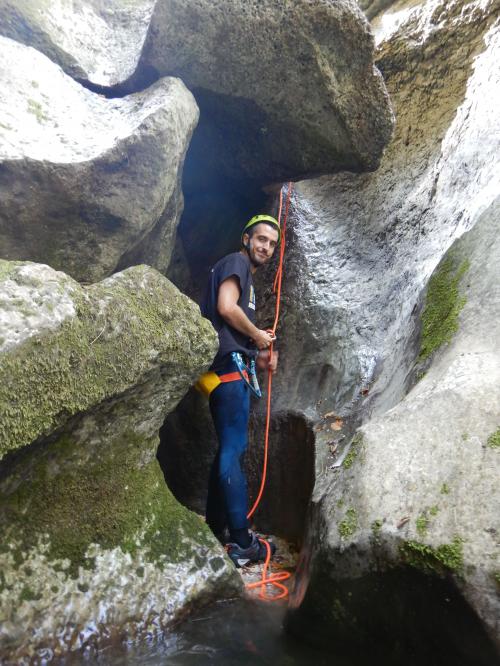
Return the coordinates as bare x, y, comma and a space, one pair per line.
229, 303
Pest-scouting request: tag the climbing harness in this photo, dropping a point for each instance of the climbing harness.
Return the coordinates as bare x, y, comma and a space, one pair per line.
247, 373
209, 381
272, 579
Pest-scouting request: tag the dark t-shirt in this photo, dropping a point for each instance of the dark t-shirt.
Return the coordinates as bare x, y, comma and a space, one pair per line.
230, 339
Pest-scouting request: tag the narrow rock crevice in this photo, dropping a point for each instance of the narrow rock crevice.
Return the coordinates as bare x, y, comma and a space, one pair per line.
188, 445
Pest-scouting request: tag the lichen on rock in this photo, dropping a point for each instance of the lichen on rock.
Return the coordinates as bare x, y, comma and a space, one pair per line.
115, 333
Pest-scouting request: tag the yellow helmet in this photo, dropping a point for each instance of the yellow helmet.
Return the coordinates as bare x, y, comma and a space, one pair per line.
257, 219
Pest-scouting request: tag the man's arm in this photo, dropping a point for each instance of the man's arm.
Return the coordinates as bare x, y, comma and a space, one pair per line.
230, 311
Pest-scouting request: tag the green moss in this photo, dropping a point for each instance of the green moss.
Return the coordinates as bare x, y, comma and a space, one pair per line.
494, 439
496, 577
27, 594
423, 520
338, 611
3, 582
36, 109
99, 353
465, 436
376, 528
113, 500
353, 451
445, 489
448, 557
349, 525
442, 306
422, 523
7, 268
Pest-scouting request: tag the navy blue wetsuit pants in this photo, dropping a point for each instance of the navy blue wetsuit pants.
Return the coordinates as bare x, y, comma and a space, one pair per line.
227, 501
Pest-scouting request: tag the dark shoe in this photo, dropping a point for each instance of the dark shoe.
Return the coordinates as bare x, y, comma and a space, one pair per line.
256, 552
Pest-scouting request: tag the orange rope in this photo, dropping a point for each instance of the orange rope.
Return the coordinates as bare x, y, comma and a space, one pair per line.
272, 579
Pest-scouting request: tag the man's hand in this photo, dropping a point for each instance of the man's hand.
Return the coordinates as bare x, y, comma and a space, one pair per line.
263, 339
266, 363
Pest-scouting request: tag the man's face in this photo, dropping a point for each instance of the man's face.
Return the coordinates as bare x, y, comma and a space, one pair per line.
261, 244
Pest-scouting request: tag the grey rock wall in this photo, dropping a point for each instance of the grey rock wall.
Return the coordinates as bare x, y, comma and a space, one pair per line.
362, 247
362, 252
418, 487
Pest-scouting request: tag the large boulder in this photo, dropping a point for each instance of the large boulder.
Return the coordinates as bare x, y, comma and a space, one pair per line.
85, 181
93, 542
98, 41
284, 92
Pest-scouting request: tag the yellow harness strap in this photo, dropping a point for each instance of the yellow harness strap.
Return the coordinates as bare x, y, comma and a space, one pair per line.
210, 381
207, 383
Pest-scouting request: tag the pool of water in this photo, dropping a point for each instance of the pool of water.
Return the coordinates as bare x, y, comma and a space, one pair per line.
241, 632
246, 632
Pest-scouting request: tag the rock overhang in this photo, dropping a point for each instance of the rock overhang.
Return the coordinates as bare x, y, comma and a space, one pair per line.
291, 92
294, 90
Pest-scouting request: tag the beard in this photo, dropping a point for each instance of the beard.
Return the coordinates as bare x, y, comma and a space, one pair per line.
256, 259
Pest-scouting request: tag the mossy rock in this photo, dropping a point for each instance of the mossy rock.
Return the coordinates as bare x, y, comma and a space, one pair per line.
117, 334
443, 304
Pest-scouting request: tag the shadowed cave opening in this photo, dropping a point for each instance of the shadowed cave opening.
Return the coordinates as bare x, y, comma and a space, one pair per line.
188, 445
398, 616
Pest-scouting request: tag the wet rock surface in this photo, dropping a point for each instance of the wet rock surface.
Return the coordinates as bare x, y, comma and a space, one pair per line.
86, 180
93, 541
